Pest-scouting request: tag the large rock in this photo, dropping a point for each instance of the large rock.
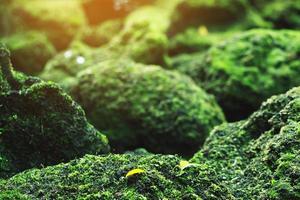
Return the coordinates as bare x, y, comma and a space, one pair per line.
29, 51
259, 158
146, 106
247, 69
40, 125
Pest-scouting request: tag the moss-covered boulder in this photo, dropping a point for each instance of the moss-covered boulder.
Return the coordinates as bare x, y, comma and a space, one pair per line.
29, 51
64, 67
207, 12
278, 14
146, 106
135, 177
247, 69
259, 157
96, 36
60, 20
40, 125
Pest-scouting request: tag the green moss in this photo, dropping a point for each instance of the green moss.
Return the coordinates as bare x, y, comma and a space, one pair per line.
146, 106
96, 36
210, 13
259, 157
41, 125
60, 20
247, 69
97, 177
29, 51
191, 41
64, 67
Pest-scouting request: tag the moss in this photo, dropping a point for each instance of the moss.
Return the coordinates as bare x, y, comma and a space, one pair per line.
97, 177
60, 20
64, 67
192, 40
29, 51
259, 157
41, 125
96, 36
247, 69
279, 14
208, 12
146, 106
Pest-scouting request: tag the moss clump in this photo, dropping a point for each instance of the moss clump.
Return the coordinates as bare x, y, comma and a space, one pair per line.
29, 51
60, 20
278, 14
40, 124
146, 106
247, 69
195, 40
208, 12
259, 157
96, 36
97, 177
64, 67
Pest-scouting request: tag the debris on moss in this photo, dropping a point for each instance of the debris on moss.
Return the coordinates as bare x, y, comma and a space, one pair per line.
259, 157
146, 106
246, 69
97, 177
40, 124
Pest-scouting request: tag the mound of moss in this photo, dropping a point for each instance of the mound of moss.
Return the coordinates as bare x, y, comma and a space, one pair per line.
278, 14
259, 157
60, 20
207, 12
146, 106
64, 67
96, 36
40, 125
29, 51
135, 177
247, 69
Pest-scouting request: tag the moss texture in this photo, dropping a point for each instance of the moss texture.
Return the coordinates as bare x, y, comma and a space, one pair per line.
137, 105
96, 177
40, 125
259, 157
29, 51
247, 69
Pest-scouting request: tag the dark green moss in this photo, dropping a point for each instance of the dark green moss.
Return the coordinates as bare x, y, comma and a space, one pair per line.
96, 177
40, 124
259, 157
247, 69
29, 51
146, 106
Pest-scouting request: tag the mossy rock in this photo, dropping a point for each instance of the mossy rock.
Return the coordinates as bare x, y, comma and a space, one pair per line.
195, 40
146, 106
60, 20
29, 51
96, 36
97, 177
278, 14
258, 158
245, 70
207, 12
64, 67
40, 124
